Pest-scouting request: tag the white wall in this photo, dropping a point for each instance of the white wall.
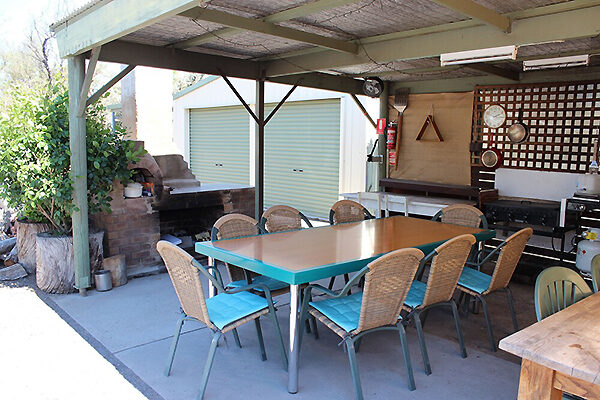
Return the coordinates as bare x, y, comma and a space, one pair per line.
147, 102
353, 132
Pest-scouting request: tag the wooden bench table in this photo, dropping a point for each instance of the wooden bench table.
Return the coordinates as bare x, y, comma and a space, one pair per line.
560, 353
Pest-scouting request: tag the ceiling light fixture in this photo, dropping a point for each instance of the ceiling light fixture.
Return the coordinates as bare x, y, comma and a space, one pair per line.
480, 55
557, 62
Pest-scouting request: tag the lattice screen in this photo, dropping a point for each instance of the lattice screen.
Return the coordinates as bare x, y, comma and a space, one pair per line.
562, 118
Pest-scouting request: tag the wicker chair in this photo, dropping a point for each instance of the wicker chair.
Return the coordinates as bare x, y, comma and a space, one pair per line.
346, 211
376, 308
461, 214
221, 313
474, 283
282, 218
447, 262
235, 226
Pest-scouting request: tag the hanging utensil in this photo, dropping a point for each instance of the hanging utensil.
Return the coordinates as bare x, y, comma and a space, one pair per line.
400, 104
492, 157
518, 132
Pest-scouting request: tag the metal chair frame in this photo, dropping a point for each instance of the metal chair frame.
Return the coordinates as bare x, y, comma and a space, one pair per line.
217, 281
366, 215
466, 294
415, 315
352, 342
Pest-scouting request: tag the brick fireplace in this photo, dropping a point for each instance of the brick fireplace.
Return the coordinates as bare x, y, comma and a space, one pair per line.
179, 205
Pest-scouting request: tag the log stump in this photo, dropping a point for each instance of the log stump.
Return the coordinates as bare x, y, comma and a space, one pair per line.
118, 269
26, 241
55, 271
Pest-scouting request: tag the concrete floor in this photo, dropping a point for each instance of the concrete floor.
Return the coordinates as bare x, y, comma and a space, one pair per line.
132, 326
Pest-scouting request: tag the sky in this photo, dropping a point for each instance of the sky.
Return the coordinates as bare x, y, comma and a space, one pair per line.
17, 16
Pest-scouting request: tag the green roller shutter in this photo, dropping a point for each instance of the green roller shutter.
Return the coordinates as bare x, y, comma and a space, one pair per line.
220, 144
302, 156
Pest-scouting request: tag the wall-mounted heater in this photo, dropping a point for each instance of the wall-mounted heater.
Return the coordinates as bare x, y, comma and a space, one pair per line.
558, 62
480, 55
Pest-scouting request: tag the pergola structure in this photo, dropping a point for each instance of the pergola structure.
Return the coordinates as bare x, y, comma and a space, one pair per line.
326, 44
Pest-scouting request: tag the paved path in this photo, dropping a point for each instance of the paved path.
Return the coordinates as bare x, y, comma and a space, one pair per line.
42, 357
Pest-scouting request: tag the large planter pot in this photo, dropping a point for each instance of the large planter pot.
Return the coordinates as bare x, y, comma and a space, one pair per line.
55, 271
26, 238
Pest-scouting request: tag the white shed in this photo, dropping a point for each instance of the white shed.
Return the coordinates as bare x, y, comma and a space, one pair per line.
315, 146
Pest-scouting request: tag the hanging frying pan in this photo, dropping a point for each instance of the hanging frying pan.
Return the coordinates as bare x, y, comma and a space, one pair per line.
518, 133
491, 157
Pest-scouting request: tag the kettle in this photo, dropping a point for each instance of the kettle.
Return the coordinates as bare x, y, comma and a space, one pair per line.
588, 184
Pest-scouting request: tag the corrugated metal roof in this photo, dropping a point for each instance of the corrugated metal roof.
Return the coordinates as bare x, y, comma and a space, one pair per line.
80, 11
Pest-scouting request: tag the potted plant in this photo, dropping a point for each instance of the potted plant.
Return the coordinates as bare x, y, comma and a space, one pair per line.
35, 175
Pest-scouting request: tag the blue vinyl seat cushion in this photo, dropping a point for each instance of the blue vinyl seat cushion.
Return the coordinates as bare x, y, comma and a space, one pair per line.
272, 284
474, 280
343, 311
416, 294
224, 308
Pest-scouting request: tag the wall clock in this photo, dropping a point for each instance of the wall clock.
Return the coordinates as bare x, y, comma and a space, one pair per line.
494, 116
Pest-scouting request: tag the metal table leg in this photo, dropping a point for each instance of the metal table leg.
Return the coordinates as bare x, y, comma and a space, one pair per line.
211, 287
293, 359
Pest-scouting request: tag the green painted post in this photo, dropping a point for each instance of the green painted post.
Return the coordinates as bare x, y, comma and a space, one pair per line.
259, 150
77, 138
381, 145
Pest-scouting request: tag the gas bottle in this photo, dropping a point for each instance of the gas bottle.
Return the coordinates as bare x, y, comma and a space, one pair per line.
587, 249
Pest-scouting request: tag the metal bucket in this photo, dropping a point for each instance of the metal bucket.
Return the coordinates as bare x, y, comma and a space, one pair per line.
103, 280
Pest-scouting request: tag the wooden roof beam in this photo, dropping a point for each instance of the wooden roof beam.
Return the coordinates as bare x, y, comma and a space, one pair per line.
479, 12
268, 28
541, 25
493, 70
286, 15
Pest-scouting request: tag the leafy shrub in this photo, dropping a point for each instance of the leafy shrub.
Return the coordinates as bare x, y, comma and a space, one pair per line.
35, 156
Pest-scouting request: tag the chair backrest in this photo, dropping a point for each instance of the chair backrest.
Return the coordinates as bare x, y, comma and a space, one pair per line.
386, 285
509, 258
596, 272
462, 214
556, 288
186, 280
348, 211
446, 267
233, 226
282, 218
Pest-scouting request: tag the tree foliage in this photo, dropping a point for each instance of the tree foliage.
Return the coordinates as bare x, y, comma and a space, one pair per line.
35, 156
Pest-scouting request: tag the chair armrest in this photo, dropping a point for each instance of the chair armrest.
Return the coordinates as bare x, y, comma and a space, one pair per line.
306, 220
216, 280
249, 287
486, 258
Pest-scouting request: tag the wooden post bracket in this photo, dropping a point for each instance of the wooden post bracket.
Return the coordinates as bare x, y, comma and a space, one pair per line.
429, 120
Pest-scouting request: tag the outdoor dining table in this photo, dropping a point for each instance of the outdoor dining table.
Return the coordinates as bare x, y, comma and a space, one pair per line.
560, 353
307, 255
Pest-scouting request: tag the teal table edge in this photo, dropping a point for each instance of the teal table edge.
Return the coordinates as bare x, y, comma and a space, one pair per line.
307, 275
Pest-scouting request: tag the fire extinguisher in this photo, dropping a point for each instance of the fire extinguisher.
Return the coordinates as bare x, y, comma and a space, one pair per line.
391, 135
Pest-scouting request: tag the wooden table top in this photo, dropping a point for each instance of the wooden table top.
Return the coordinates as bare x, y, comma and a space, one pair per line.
567, 342
310, 254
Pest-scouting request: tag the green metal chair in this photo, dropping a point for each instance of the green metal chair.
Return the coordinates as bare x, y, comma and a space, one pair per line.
346, 211
556, 288
475, 283
378, 307
233, 226
282, 218
447, 262
596, 273
221, 313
